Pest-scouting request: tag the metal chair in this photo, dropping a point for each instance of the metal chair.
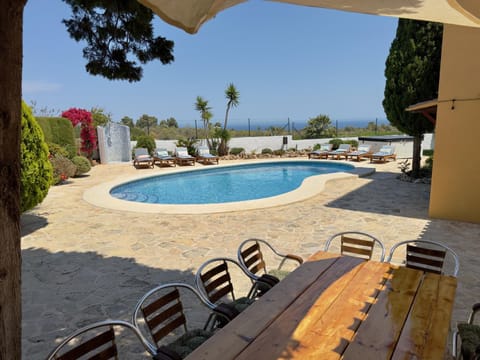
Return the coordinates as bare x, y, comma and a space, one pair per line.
214, 282
252, 259
98, 340
160, 313
469, 335
357, 243
426, 255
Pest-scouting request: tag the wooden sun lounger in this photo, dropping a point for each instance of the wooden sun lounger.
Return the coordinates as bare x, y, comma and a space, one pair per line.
385, 153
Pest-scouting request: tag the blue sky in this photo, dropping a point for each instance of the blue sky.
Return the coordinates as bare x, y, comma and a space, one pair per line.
288, 62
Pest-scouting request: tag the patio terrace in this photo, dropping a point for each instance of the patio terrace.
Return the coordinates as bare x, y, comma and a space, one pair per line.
83, 263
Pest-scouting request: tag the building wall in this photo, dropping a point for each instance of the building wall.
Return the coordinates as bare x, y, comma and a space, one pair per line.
455, 192
255, 144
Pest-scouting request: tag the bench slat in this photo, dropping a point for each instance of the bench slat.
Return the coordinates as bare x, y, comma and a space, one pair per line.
426, 330
377, 335
332, 305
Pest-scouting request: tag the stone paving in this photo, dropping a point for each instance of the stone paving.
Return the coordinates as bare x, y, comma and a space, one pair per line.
83, 263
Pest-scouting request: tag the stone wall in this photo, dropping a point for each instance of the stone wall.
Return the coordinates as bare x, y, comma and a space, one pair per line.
114, 143
255, 144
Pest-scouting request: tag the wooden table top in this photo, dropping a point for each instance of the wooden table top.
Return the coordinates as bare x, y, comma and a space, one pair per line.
336, 307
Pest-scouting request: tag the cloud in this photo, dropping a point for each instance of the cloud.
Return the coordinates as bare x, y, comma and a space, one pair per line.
40, 87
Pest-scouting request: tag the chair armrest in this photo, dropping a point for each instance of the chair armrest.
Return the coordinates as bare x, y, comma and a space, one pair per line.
299, 259
475, 309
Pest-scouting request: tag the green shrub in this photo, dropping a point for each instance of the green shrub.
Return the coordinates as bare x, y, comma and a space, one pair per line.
267, 151
353, 143
135, 133
236, 150
336, 143
63, 168
55, 149
82, 164
59, 131
427, 152
146, 141
189, 144
279, 152
36, 170
429, 163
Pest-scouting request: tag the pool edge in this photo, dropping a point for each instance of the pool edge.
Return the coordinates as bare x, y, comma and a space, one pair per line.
99, 195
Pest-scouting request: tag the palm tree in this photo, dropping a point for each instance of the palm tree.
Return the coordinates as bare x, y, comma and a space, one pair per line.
232, 95
201, 105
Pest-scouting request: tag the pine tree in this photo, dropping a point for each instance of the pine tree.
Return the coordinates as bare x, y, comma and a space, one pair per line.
412, 74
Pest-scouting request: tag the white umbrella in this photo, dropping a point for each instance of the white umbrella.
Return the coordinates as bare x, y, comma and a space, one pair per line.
189, 15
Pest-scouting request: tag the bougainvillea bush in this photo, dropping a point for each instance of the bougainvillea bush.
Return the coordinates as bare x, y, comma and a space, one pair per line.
36, 170
87, 132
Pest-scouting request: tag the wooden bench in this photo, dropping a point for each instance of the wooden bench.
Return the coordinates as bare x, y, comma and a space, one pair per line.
336, 307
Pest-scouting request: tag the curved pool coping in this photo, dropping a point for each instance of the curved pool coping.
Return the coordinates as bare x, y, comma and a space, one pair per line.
99, 195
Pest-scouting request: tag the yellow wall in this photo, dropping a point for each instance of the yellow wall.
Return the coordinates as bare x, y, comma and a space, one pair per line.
455, 192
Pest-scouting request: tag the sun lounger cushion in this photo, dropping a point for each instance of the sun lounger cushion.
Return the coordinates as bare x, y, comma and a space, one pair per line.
182, 152
161, 153
470, 335
188, 342
363, 148
204, 152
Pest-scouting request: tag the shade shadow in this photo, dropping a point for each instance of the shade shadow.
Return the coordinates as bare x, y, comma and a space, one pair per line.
30, 223
387, 195
64, 291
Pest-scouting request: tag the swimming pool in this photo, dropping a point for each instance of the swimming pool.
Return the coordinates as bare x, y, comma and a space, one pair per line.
225, 184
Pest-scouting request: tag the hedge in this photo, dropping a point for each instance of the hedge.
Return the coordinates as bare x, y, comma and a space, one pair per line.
36, 170
59, 131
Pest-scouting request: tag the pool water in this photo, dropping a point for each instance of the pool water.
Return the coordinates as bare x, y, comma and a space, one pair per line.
225, 184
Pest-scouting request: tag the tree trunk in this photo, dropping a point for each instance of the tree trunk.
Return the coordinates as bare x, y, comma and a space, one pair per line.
417, 156
11, 25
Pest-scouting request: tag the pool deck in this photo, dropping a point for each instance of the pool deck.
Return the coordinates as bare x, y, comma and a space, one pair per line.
84, 263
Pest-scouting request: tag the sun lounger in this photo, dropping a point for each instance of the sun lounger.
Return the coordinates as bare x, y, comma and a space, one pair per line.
182, 157
321, 153
342, 150
386, 152
161, 157
363, 151
204, 156
142, 158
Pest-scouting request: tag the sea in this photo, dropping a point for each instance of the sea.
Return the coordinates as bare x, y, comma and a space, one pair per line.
298, 125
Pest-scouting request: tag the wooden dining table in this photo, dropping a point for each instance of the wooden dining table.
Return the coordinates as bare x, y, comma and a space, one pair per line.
334, 307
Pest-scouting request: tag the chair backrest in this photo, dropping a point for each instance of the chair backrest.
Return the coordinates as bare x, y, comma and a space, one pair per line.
98, 340
203, 150
161, 152
326, 147
213, 279
357, 243
386, 150
363, 148
426, 255
344, 147
181, 151
162, 310
141, 152
251, 257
